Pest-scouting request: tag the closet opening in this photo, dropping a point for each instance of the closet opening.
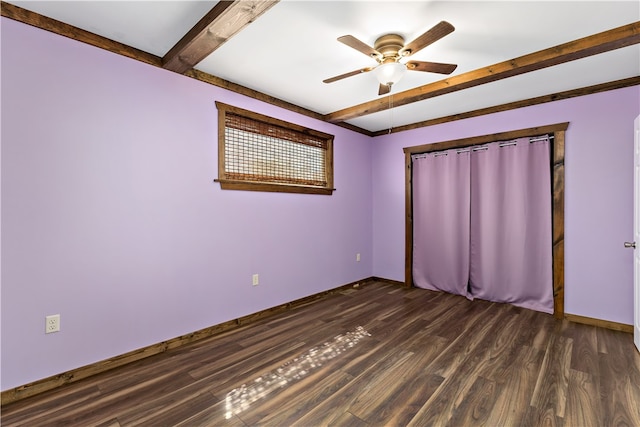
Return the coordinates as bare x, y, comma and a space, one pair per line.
556, 134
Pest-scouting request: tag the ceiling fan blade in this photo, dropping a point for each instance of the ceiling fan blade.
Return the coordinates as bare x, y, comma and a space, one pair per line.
431, 67
349, 74
436, 32
384, 89
359, 46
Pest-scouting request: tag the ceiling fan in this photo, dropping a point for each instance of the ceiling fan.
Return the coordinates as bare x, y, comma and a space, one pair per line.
389, 49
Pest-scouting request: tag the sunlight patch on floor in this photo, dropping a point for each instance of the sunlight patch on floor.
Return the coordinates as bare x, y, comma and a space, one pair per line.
240, 399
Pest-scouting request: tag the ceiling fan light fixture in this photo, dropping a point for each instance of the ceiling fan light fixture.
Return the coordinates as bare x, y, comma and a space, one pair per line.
390, 73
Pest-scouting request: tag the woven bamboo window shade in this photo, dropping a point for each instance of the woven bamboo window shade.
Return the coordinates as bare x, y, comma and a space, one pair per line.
265, 154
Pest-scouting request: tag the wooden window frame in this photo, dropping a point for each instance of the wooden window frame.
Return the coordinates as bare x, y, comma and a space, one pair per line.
557, 196
234, 184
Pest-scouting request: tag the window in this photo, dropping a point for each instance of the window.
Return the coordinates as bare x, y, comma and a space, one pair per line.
260, 153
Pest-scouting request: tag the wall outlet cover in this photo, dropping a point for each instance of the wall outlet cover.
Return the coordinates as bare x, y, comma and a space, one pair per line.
52, 323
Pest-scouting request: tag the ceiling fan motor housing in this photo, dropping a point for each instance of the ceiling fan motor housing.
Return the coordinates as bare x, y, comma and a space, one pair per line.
389, 45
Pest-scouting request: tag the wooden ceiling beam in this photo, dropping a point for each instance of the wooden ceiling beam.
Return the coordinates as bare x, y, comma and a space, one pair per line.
616, 38
221, 23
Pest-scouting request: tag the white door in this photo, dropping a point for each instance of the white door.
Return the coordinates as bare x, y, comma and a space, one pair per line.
636, 233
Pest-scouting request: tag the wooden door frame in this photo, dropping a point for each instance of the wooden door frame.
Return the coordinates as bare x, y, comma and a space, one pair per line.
636, 232
557, 196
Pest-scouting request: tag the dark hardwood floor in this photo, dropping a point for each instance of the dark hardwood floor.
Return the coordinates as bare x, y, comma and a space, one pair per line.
378, 355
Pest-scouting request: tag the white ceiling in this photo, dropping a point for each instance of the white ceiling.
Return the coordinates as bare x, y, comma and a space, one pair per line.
290, 49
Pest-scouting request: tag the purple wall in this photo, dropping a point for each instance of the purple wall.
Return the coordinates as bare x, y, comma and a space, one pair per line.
110, 216
598, 200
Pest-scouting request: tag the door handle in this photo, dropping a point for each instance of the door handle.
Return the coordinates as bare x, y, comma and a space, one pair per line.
630, 244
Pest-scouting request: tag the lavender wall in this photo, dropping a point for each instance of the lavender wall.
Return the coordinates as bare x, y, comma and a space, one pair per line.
598, 201
110, 216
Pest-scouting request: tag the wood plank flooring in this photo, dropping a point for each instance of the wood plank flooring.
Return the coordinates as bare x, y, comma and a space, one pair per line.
378, 355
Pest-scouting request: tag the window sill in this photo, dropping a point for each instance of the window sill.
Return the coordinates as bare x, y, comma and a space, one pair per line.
227, 184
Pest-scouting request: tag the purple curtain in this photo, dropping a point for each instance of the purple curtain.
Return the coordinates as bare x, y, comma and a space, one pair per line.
482, 223
441, 221
511, 258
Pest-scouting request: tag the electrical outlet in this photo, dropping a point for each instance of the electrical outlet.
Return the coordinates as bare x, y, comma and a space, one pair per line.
52, 323
358, 257
256, 280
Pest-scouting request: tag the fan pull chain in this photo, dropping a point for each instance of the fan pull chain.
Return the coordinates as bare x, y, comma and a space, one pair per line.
390, 113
